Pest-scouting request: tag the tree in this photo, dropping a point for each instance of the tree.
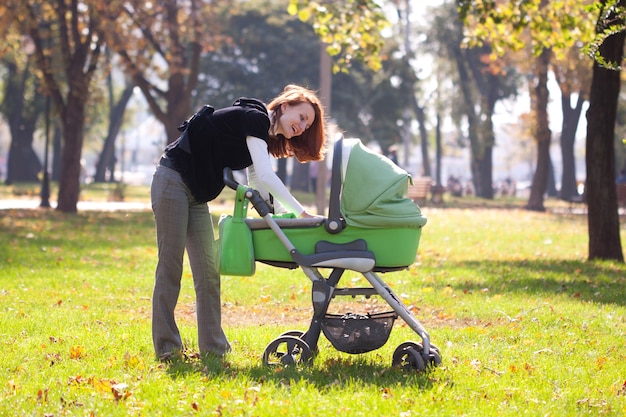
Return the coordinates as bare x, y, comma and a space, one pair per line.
543, 134
573, 75
409, 80
160, 45
351, 29
68, 43
559, 26
548, 29
256, 50
106, 160
482, 82
365, 103
21, 105
603, 218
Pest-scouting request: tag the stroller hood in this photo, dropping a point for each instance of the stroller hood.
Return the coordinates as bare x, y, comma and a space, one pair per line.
374, 190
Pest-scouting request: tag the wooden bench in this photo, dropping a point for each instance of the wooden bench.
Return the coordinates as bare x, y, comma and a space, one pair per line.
621, 195
575, 200
418, 192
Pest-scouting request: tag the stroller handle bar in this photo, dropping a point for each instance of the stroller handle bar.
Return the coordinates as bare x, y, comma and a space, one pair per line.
259, 203
229, 179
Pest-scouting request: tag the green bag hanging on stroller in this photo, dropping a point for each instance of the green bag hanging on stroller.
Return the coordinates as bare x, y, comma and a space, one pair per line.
235, 241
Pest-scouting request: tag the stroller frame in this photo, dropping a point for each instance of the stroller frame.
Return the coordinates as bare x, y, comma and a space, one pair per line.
295, 347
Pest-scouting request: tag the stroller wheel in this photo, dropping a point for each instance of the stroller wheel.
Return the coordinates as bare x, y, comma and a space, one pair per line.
294, 333
409, 359
432, 359
300, 335
287, 350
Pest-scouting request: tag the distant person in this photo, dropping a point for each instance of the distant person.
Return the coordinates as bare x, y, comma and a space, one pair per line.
454, 186
190, 173
621, 178
469, 188
393, 155
508, 188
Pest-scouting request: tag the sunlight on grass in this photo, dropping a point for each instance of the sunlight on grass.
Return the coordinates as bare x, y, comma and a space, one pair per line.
524, 323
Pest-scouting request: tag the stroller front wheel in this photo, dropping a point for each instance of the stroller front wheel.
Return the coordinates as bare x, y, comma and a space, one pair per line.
286, 351
410, 355
294, 333
409, 359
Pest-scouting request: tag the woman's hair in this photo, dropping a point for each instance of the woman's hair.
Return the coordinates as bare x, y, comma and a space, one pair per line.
311, 144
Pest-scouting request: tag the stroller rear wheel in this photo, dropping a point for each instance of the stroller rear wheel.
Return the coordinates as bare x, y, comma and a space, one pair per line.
287, 350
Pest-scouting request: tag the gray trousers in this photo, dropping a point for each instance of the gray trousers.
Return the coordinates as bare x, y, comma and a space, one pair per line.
181, 223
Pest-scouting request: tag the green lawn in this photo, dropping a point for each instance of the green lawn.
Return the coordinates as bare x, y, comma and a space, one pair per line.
525, 325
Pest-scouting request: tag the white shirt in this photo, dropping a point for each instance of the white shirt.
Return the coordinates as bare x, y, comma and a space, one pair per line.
263, 178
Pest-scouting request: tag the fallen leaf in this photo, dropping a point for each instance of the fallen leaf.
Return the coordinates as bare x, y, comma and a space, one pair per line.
77, 352
119, 391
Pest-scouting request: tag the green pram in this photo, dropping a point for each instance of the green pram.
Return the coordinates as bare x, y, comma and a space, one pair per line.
372, 227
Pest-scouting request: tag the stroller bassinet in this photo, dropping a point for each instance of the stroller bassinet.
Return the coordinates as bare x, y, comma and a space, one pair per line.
371, 227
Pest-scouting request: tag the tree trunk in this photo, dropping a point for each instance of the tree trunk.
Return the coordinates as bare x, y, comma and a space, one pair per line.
421, 122
281, 169
482, 168
472, 119
300, 176
179, 109
57, 145
571, 116
73, 124
438, 150
23, 165
482, 156
115, 123
600, 192
543, 134
177, 103
551, 190
477, 86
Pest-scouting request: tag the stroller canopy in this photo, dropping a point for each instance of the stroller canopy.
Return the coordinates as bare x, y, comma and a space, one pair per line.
374, 190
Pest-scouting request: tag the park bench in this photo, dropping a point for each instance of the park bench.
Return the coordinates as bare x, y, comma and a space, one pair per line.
621, 198
575, 200
418, 192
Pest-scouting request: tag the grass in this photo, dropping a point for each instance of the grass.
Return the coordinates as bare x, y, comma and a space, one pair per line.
525, 325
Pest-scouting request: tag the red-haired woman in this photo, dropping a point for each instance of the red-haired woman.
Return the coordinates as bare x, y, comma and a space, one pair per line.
190, 174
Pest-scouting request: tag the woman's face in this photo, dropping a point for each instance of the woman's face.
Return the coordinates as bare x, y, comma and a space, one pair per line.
295, 119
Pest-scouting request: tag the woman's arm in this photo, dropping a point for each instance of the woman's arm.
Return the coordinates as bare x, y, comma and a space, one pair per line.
262, 177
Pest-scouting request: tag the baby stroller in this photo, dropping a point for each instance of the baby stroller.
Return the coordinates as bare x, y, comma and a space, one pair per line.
371, 228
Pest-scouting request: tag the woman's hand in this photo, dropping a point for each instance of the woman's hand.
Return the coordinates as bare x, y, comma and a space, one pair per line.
306, 215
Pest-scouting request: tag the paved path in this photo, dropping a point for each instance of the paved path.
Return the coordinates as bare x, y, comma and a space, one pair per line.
33, 203
81, 206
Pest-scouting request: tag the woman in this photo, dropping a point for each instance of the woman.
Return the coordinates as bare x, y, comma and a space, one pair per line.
189, 175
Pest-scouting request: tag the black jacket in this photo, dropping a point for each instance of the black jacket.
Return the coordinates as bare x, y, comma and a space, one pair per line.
217, 140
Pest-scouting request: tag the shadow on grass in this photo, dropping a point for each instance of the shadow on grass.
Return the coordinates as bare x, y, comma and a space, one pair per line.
333, 372
98, 229
598, 282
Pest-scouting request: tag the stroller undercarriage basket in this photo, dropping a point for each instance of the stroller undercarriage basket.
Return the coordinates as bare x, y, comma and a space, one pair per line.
358, 333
